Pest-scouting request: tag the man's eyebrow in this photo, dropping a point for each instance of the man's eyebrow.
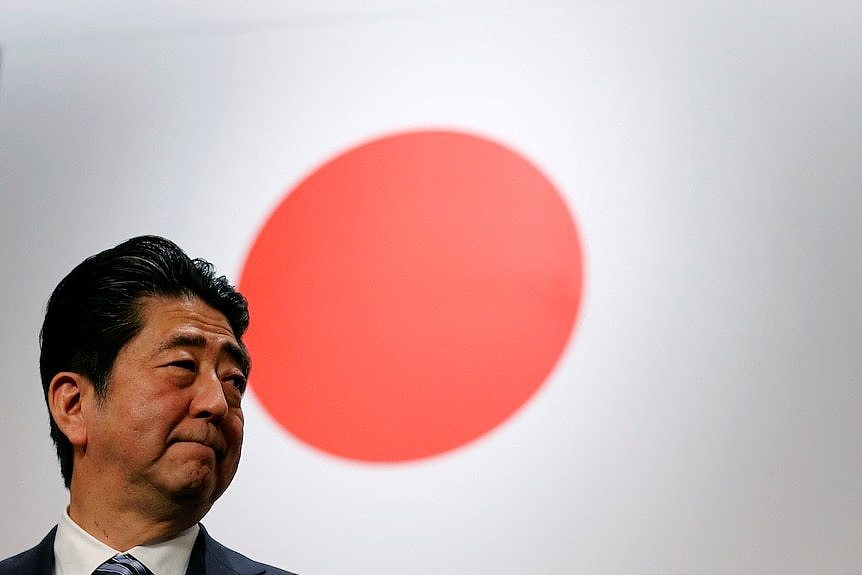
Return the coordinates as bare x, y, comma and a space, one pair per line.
236, 352
182, 340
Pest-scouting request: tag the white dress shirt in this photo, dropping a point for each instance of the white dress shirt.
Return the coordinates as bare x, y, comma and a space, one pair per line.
76, 552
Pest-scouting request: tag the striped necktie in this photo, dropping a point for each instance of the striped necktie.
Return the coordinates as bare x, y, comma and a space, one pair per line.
122, 564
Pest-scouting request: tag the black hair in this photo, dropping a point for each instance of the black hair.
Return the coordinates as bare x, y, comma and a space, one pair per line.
95, 311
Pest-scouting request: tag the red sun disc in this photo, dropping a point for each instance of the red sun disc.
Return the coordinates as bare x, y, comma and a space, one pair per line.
410, 295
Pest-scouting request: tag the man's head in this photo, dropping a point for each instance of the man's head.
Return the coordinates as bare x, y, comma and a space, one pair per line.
110, 298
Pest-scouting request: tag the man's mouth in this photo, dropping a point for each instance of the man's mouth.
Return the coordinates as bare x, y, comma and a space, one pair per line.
216, 447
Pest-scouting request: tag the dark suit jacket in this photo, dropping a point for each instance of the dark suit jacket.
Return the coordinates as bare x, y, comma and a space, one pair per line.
209, 557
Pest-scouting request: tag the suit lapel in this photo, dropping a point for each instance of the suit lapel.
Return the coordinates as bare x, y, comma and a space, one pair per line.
196, 562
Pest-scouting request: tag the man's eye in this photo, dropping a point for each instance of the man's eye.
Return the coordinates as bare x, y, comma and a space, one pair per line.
184, 364
238, 381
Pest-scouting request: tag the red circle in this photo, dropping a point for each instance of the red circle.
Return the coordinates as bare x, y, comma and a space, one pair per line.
410, 295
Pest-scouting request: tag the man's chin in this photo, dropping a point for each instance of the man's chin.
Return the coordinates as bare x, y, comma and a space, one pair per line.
195, 481
196, 485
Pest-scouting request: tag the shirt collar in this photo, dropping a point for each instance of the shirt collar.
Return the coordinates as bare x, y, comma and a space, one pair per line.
76, 552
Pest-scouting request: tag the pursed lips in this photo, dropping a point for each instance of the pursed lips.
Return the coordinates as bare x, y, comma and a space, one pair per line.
211, 440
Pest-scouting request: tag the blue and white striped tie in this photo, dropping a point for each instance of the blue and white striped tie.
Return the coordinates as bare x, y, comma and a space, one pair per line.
122, 564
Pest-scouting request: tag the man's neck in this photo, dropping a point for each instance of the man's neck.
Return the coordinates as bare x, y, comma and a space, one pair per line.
122, 526
127, 530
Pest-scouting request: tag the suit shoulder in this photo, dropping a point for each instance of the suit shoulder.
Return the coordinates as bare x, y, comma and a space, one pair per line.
233, 561
38, 560
238, 559
16, 563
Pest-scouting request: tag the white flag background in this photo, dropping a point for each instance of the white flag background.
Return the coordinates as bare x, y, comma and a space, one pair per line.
706, 414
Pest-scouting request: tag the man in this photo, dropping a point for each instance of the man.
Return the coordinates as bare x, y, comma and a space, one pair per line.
143, 369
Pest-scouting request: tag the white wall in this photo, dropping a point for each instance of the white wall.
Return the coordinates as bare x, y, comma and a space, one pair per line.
706, 415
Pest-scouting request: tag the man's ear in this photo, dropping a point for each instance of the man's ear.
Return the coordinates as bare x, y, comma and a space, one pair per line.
66, 394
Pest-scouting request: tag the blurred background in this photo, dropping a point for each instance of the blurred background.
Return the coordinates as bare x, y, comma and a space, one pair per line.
705, 412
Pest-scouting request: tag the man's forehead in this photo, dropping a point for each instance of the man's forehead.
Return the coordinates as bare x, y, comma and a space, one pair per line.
188, 321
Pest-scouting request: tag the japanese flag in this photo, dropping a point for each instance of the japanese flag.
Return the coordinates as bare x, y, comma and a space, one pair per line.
556, 288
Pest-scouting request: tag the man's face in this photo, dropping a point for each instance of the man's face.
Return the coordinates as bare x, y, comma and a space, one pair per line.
170, 428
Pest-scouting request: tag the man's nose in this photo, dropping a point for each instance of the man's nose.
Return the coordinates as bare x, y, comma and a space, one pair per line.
209, 400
